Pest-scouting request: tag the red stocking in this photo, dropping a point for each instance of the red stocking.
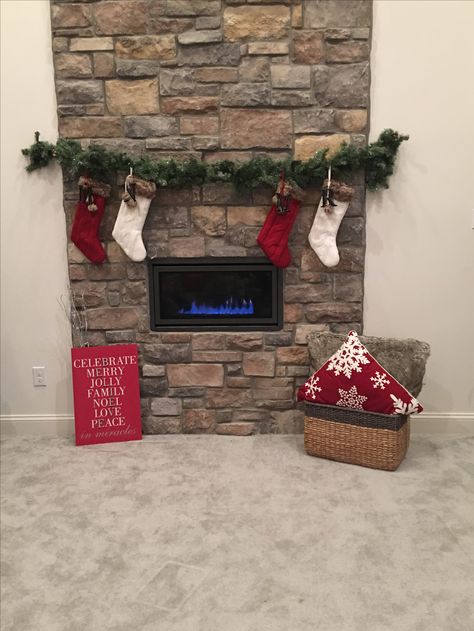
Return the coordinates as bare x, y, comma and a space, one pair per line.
89, 212
273, 237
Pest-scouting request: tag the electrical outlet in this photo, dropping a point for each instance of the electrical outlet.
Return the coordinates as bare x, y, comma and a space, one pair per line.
39, 376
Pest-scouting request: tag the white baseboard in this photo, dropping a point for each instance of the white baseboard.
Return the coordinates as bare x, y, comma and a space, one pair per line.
63, 424
37, 425
443, 423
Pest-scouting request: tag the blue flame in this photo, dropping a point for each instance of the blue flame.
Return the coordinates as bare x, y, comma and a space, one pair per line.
230, 307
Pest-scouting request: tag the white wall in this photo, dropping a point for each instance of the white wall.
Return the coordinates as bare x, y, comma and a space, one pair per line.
419, 279
420, 246
35, 331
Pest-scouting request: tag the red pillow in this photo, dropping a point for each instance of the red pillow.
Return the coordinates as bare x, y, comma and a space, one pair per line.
352, 378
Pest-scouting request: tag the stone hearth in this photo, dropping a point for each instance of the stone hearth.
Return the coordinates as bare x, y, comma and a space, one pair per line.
215, 79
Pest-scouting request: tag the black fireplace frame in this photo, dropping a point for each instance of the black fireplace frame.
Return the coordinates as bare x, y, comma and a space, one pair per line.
275, 323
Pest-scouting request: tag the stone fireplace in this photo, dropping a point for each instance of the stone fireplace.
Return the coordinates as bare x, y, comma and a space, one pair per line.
215, 79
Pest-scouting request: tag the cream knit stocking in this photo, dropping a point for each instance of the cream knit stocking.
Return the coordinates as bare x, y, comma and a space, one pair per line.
334, 204
132, 215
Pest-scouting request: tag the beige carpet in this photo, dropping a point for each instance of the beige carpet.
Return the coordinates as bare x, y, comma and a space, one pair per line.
209, 533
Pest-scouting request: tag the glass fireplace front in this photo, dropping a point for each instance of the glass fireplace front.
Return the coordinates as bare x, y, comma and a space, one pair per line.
215, 294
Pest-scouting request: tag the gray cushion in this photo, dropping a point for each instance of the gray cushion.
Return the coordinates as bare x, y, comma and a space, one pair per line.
405, 359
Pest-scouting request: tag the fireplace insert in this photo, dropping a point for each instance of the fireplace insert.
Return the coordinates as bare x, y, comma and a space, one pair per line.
215, 294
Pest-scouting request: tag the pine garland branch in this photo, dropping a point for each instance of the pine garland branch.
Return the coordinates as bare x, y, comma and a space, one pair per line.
377, 160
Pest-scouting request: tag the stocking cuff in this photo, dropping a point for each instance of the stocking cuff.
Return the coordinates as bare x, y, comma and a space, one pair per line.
144, 188
98, 188
293, 190
342, 192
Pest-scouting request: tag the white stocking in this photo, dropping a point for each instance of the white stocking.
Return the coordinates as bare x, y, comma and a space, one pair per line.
322, 236
132, 215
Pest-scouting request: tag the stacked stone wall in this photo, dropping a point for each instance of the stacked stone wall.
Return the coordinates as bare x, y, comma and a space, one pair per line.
215, 79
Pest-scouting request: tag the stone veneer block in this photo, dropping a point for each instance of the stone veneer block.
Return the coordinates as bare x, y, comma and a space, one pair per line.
143, 126
246, 95
318, 292
91, 43
208, 341
247, 215
79, 91
291, 98
337, 13
334, 312
199, 125
151, 370
71, 65
346, 52
90, 127
185, 7
70, 16
245, 341
200, 37
242, 129
292, 355
161, 425
259, 364
254, 69
304, 330
177, 81
217, 356
112, 318
286, 76
242, 23
231, 398
104, 65
187, 246
210, 220
209, 55
120, 17
314, 120
195, 375
351, 121
297, 16
307, 146
137, 67
138, 96
165, 406
342, 86
308, 47
216, 75
177, 104
268, 48
161, 47
198, 420
210, 22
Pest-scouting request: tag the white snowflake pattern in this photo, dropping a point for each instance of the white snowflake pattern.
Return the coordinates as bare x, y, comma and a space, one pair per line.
349, 357
380, 380
404, 408
312, 388
351, 399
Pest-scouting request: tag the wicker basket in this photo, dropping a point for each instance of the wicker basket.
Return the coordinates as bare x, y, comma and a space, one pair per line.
372, 440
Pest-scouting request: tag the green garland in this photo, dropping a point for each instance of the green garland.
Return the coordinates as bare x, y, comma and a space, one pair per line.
377, 159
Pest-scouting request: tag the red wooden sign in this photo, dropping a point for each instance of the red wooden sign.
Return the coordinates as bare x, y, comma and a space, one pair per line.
106, 394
